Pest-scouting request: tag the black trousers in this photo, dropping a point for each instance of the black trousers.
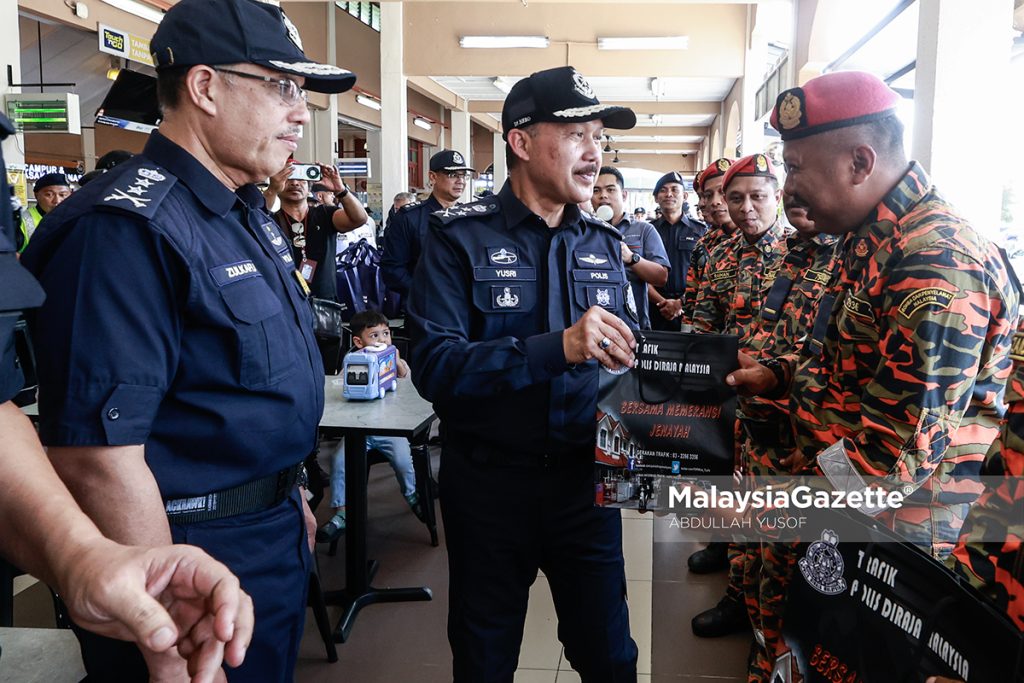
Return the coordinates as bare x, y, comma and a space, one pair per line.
502, 523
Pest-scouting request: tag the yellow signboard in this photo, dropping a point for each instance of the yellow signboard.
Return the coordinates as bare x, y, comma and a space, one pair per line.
16, 179
123, 44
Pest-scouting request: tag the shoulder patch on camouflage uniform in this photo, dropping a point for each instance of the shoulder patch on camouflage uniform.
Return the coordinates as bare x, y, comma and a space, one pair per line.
139, 191
482, 207
859, 308
937, 297
819, 276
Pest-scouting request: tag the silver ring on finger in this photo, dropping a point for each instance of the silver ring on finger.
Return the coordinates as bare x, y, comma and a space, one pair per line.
605, 343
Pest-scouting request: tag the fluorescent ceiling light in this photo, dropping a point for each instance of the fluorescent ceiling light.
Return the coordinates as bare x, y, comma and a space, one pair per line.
368, 102
644, 43
422, 123
139, 9
654, 151
503, 42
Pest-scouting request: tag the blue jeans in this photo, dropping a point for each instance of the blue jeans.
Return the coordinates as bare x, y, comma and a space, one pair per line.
395, 448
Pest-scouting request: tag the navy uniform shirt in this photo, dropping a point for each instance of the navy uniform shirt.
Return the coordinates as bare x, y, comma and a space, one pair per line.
643, 239
679, 239
403, 243
175, 319
493, 292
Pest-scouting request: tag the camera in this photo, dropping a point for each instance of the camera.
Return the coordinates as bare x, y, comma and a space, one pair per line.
310, 172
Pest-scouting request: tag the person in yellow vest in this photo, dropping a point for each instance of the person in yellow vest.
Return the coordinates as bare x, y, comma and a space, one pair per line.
50, 190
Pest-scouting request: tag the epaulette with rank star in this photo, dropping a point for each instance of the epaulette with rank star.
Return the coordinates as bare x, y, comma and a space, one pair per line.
410, 205
481, 207
138, 190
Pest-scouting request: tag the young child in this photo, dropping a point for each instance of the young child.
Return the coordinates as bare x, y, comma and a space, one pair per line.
370, 328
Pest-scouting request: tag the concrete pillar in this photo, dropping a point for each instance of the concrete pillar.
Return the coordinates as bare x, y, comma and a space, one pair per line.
442, 132
394, 138
89, 148
500, 169
462, 142
751, 132
373, 146
10, 53
948, 30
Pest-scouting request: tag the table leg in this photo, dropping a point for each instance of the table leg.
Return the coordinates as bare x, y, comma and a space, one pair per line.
358, 569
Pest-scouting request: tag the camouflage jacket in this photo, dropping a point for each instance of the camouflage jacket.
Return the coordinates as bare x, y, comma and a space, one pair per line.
789, 310
990, 553
736, 280
905, 381
701, 253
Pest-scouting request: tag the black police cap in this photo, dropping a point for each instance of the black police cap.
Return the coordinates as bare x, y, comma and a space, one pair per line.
113, 158
49, 180
559, 95
670, 177
218, 32
449, 160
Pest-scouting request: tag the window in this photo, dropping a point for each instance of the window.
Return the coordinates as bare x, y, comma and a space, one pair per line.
366, 12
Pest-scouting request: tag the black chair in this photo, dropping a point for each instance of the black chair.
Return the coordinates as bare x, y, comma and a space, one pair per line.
426, 489
315, 601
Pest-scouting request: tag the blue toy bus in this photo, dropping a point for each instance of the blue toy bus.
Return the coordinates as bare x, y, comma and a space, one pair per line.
370, 372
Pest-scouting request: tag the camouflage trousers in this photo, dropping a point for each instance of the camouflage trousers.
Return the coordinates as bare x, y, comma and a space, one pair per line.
766, 572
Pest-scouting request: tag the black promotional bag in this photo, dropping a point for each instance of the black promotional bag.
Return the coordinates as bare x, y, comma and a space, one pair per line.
878, 609
670, 418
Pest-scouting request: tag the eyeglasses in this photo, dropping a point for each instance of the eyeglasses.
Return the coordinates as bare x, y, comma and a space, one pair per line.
288, 89
455, 175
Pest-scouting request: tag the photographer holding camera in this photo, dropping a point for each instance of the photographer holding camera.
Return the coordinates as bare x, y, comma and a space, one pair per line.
313, 230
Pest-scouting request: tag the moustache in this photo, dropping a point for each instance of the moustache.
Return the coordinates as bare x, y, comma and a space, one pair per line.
794, 202
590, 168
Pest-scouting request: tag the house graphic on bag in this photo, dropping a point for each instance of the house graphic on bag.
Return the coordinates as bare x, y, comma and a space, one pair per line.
614, 445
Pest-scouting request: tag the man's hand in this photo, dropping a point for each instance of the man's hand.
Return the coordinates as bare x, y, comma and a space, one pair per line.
583, 341
330, 178
752, 379
627, 254
160, 597
795, 462
310, 521
670, 309
278, 180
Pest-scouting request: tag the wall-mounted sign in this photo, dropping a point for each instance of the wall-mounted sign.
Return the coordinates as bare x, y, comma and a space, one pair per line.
120, 43
44, 112
354, 167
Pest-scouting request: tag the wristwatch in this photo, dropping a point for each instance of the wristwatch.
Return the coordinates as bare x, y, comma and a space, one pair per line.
634, 259
344, 191
778, 368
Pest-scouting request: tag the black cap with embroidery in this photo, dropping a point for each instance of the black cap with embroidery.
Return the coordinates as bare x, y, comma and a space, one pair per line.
559, 95
51, 180
670, 177
449, 160
218, 32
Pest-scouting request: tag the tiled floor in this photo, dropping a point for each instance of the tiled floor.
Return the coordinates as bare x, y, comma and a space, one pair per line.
407, 642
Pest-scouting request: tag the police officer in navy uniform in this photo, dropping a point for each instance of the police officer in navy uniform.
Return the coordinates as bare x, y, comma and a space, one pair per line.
180, 382
403, 240
680, 234
519, 298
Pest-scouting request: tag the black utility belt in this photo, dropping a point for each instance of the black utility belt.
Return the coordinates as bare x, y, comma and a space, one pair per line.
254, 496
769, 434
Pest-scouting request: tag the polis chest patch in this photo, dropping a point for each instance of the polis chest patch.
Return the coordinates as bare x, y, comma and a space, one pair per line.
859, 308
233, 272
936, 297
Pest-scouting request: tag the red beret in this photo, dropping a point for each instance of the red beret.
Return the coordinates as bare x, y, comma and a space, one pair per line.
696, 181
835, 100
754, 165
716, 169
